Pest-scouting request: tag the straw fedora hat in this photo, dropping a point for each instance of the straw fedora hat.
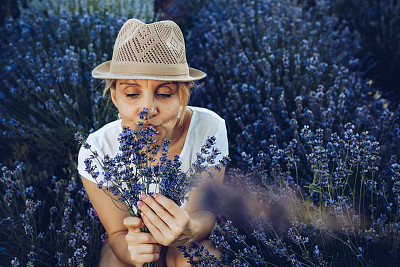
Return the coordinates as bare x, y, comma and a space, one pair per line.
154, 51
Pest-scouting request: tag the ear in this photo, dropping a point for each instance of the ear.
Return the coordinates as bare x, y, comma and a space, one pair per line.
113, 92
180, 113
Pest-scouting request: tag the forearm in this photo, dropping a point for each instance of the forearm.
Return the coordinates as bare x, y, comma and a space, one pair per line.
203, 222
120, 247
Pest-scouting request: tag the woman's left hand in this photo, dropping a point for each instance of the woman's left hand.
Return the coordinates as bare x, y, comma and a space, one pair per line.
167, 222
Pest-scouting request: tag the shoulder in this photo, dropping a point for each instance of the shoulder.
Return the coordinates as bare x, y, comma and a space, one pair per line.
105, 135
104, 141
205, 117
206, 123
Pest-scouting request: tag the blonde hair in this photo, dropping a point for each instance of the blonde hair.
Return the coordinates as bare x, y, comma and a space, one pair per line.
184, 92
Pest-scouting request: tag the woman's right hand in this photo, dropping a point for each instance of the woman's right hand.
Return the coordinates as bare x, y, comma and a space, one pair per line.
142, 246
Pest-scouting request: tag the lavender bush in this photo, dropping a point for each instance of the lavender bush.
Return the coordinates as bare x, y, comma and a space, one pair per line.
271, 80
378, 24
315, 145
349, 214
301, 126
48, 92
50, 225
124, 8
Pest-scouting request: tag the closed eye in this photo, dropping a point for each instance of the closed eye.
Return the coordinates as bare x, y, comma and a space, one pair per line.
132, 95
164, 95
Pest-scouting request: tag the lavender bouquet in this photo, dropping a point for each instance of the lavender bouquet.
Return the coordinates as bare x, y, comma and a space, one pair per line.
134, 170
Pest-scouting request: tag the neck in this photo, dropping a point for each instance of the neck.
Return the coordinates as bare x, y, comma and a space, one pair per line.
180, 132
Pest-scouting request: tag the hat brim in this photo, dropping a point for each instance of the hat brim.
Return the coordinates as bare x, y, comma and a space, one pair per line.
102, 71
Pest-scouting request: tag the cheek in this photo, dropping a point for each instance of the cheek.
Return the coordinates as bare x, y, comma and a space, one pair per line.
128, 105
172, 111
128, 112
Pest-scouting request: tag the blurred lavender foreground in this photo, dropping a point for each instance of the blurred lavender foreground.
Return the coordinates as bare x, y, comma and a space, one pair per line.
315, 174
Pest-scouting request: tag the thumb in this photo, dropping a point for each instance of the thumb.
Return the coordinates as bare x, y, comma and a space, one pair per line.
133, 224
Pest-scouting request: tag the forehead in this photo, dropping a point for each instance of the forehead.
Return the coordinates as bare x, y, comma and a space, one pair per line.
140, 83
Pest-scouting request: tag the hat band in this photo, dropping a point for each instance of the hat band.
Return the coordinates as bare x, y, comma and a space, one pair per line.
140, 68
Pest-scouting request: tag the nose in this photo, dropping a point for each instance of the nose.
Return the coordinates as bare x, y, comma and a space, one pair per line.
149, 102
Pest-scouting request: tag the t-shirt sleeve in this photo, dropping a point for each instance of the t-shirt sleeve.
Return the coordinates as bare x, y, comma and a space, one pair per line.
221, 141
86, 154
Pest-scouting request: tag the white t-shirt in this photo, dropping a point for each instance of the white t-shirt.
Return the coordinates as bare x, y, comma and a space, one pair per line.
204, 123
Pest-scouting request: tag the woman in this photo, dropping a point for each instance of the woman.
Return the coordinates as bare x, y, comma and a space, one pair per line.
149, 70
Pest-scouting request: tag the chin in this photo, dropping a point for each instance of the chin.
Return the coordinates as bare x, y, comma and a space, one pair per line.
159, 137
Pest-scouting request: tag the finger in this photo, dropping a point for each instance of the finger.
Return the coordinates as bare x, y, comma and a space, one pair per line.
142, 258
145, 258
169, 205
181, 217
140, 238
133, 224
150, 214
158, 209
145, 248
156, 233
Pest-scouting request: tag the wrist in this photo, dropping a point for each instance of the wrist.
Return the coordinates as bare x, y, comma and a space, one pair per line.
194, 230
201, 224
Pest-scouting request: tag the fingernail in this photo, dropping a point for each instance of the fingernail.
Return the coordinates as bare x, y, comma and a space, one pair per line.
143, 196
142, 214
140, 204
154, 195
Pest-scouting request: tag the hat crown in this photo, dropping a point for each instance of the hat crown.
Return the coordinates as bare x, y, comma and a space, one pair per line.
159, 42
154, 51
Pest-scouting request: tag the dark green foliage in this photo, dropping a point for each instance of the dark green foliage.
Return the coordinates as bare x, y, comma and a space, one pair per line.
378, 25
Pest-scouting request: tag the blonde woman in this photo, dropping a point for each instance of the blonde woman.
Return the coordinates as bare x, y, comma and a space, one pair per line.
149, 70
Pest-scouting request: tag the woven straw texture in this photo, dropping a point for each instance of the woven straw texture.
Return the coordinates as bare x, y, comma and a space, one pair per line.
156, 43
148, 51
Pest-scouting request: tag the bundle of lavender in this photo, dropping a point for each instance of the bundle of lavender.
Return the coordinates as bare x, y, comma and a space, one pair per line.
135, 170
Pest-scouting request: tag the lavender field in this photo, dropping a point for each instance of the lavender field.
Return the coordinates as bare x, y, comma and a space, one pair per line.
309, 91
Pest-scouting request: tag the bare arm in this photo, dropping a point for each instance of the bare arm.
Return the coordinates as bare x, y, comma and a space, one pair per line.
201, 208
126, 240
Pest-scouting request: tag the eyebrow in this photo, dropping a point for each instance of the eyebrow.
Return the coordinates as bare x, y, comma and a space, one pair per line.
158, 86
